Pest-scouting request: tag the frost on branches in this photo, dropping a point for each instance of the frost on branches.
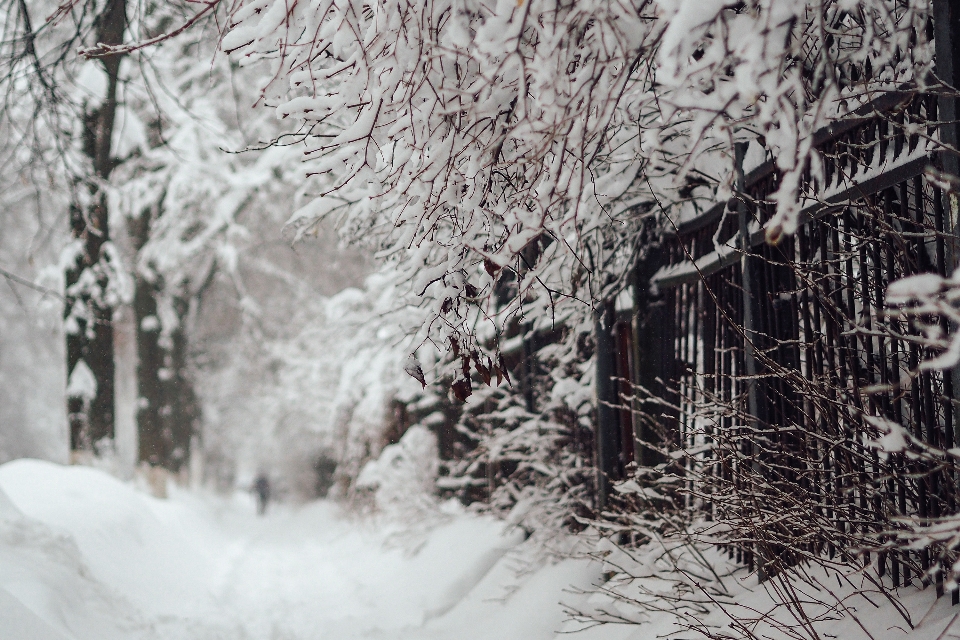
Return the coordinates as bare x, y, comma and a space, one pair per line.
514, 161
456, 139
469, 140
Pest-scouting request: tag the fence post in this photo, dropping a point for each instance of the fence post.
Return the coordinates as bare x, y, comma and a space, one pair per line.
749, 290
946, 25
608, 423
749, 286
653, 344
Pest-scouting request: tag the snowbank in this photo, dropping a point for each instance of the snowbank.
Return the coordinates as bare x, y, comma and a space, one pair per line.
47, 590
84, 556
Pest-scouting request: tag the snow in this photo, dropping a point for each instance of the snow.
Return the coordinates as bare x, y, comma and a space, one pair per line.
404, 470
82, 383
86, 556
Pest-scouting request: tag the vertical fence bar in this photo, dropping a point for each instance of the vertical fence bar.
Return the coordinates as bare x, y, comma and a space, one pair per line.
607, 423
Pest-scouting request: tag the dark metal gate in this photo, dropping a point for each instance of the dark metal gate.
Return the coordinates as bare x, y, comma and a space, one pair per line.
772, 368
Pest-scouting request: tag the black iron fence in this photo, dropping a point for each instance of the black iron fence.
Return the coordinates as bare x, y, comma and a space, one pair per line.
764, 375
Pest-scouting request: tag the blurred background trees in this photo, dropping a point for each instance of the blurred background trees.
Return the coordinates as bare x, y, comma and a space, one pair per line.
174, 254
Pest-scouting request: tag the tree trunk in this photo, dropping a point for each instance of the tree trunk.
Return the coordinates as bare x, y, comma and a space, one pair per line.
90, 292
167, 407
149, 363
180, 413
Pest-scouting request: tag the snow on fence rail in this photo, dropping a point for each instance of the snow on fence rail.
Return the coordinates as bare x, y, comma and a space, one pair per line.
782, 375
887, 158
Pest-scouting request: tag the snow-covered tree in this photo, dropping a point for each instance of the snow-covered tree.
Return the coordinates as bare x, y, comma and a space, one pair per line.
181, 192
59, 124
468, 140
134, 142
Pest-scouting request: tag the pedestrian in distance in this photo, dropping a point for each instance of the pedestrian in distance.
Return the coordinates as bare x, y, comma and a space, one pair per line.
261, 486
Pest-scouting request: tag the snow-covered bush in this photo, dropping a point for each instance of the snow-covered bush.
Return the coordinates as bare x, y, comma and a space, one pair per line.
522, 448
452, 137
510, 159
404, 476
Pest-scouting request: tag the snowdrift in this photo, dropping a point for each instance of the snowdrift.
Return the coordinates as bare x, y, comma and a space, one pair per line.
85, 556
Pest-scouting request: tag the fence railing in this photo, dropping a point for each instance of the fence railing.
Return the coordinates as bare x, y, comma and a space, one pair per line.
773, 368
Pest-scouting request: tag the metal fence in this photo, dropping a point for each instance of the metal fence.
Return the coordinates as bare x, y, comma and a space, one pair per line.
771, 368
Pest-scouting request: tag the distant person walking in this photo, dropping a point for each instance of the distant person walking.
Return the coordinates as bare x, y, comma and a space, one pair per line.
261, 486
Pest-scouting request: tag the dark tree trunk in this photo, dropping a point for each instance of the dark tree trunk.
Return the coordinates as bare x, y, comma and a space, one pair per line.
180, 412
149, 363
167, 407
147, 287
89, 294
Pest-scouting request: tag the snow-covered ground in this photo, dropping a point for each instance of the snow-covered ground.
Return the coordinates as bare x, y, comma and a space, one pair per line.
84, 556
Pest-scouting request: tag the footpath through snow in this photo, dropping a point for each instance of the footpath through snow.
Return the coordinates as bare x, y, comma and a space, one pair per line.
84, 556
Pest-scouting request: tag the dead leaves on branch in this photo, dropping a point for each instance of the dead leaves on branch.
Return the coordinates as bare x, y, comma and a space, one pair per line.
488, 370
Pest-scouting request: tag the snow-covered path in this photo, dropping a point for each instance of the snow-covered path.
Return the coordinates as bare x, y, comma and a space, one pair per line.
83, 555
